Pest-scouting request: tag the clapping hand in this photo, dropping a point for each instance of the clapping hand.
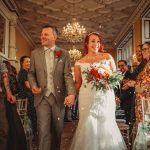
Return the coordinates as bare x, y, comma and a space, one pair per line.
69, 100
129, 83
125, 84
36, 90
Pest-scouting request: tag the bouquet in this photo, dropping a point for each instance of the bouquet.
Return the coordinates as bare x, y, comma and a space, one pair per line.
101, 76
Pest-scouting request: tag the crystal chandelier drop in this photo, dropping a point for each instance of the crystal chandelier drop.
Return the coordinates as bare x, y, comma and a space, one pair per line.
75, 54
73, 32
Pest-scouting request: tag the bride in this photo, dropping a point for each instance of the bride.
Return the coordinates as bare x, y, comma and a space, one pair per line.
97, 128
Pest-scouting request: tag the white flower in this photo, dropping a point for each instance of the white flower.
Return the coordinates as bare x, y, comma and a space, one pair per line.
96, 65
101, 70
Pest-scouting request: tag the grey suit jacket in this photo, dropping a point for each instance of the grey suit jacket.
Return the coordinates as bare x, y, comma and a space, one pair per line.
62, 76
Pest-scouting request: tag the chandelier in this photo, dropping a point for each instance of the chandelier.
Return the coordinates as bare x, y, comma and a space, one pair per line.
75, 54
73, 32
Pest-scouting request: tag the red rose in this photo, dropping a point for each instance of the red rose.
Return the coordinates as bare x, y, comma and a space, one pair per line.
57, 54
93, 72
99, 76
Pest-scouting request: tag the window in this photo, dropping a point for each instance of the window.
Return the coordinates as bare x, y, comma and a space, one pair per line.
4, 35
124, 50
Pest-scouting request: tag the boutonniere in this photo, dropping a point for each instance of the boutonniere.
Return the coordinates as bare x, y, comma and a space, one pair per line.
57, 54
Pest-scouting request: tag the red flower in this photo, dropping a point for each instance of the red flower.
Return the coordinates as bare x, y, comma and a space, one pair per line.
99, 76
93, 72
57, 54
106, 74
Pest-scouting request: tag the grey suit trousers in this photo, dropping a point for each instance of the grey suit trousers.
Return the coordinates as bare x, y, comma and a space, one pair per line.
50, 118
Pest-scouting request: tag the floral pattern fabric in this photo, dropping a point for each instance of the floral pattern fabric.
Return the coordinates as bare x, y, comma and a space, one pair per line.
142, 90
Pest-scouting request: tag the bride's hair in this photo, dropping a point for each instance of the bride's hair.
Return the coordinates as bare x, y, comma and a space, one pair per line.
87, 40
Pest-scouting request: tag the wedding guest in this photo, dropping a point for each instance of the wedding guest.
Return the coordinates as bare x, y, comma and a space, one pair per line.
16, 134
133, 78
26, 93
5, 95
142, 84
125, 95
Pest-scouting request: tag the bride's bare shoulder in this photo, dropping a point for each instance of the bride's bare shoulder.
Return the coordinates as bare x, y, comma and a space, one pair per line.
82, 60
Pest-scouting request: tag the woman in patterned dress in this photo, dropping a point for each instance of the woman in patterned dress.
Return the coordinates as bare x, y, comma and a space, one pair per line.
142, 86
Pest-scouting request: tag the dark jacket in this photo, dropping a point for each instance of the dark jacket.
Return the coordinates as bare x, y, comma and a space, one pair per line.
125, 96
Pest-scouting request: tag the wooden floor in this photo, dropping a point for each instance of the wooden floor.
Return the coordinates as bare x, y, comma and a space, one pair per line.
68, 132
69, 129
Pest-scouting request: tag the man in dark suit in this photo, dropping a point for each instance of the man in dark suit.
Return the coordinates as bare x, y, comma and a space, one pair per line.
51, 80
125, 96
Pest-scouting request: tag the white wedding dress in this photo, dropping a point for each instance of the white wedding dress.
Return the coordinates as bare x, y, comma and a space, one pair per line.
97, 128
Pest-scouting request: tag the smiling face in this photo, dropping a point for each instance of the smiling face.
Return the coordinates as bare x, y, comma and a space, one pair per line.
146, 51
123, 67
48, 37
138, 53
93, 43
26, 63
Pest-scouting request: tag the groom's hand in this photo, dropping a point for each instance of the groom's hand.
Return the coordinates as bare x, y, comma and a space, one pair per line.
36, 90
69, 100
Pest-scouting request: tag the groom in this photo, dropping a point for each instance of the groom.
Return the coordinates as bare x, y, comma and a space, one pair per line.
51, 80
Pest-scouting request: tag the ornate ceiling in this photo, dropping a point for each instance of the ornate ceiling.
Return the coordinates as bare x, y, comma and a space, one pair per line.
105, 16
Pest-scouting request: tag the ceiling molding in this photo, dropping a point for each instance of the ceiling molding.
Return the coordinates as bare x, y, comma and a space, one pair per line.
112, 16
11, 5
26, 35
135, 15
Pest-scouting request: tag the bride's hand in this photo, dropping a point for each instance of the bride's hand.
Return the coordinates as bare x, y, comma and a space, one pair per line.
69, 100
